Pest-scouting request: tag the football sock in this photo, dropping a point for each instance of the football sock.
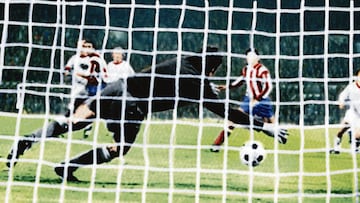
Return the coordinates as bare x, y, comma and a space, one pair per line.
350, 136
52, 130
87, 158
337, 143
221, 137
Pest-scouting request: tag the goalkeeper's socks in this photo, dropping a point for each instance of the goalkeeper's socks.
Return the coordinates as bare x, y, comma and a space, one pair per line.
18, 149
87, 158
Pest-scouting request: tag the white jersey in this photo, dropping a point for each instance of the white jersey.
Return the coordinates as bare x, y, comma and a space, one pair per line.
88, 66
118, 70
351, 95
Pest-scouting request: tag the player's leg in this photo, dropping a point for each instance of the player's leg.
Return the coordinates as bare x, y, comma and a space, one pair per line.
53, 129
349, 116
221, 138
244, 107
356, 134
125, 139
264, 109
338, 139
103, 154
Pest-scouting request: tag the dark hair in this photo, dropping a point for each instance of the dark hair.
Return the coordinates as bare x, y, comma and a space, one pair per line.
89, 41
250, 50
357, 72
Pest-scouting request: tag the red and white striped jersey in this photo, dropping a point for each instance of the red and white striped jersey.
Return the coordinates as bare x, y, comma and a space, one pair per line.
257, 79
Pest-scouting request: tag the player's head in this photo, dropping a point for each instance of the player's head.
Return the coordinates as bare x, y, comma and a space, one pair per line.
86, 47
118, 54
357, 75
357, 72
252, 56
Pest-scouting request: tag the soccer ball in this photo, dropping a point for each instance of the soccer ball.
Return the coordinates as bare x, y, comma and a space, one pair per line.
252, 153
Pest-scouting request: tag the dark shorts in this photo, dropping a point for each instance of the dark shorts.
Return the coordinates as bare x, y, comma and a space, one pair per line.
122, 117
262, 109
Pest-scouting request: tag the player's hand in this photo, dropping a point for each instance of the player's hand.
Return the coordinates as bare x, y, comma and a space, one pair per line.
221, 87
341, 105
81, 113
276, 132
214, 88
253, 102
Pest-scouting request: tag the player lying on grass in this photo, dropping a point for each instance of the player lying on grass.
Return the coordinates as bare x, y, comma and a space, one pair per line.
124, 104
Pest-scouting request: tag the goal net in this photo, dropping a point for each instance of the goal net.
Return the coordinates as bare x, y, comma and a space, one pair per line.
310, 47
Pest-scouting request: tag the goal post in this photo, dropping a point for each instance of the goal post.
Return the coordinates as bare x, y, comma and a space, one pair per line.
311, 48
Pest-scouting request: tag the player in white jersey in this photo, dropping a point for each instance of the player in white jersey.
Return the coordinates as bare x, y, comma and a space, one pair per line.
89, 74
256, 102
88, 70
118, 67
350, 96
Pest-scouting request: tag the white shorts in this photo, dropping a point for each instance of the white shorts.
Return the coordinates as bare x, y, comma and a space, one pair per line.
348, 116
354, 120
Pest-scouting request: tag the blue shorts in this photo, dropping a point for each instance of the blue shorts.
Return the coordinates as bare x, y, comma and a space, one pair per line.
92, 89
262, 109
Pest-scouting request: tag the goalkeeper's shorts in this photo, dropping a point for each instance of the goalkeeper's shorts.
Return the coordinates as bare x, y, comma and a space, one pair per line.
262, 109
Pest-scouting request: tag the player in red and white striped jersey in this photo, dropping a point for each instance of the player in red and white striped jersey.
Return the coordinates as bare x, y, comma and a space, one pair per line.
256, 102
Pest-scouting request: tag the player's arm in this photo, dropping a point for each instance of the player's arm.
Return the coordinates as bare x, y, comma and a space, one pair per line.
237, 83
343, 96
69, 66
266, 85
217, 106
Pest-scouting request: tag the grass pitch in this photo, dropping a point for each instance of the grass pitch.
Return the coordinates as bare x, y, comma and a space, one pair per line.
174, 162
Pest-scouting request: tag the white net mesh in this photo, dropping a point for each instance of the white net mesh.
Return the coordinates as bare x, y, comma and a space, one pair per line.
310, 47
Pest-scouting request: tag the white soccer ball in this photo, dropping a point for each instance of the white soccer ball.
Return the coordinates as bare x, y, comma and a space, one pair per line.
252, 153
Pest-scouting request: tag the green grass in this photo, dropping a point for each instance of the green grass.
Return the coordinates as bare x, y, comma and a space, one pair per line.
300, 174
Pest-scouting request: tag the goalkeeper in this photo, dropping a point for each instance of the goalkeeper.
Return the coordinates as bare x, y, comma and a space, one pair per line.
125, 103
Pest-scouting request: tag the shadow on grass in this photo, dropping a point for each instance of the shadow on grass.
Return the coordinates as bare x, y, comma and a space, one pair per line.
110, 184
